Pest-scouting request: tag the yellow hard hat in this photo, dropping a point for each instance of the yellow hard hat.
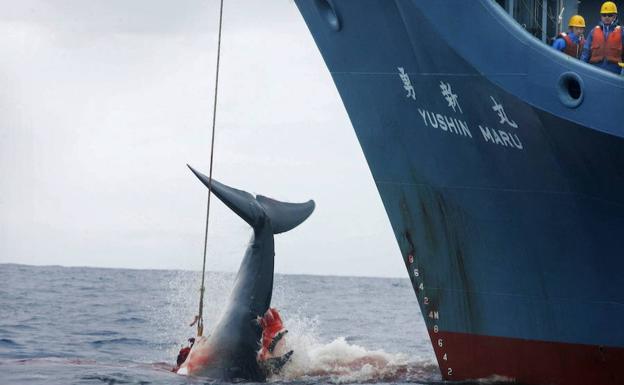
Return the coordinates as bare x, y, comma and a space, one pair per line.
576, 21
608, 7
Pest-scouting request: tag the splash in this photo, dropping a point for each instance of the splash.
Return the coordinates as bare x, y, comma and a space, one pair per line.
340, 362
172, 315
319, 356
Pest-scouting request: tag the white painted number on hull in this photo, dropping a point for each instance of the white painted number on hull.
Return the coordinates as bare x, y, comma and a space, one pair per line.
434, 315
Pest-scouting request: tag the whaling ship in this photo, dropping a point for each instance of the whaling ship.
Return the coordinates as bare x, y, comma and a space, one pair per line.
500, 163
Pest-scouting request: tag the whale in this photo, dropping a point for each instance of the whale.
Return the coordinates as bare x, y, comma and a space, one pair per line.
230, 351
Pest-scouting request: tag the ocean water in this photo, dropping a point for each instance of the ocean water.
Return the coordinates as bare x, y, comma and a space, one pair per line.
70, 325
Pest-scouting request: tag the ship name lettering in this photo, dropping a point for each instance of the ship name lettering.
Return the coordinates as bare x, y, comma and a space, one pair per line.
445, 123
501, 138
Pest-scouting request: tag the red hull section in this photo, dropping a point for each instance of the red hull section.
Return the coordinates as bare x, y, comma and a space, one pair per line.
465, 356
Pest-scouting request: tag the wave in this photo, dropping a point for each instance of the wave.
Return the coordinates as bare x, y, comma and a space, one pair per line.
341, 361
130, 320
99, 333
8, 343
21, 326
51, 361
119, 341
110, 379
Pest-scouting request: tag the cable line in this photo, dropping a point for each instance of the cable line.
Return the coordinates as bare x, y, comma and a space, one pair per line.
200, 317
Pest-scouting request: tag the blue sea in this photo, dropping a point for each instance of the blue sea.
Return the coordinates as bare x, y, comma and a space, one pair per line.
77, 325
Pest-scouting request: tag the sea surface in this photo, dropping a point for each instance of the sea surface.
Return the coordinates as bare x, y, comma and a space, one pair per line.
76, 325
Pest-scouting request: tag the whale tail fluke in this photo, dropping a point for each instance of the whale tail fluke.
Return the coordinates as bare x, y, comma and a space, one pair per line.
284, 216
239, 201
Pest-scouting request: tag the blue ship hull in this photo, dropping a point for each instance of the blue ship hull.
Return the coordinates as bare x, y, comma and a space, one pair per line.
500, 163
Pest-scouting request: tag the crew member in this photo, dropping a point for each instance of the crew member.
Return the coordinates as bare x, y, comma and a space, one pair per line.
183, 354
603, 47
571, 43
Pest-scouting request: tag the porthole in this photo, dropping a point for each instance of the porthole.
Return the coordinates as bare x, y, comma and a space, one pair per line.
328, 13
570, 89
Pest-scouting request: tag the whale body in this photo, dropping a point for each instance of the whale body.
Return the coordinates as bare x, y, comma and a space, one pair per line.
229, 352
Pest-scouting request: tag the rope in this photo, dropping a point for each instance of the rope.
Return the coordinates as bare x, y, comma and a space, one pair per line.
200, 321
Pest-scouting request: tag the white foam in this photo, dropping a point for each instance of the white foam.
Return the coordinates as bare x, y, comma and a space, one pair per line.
337, 361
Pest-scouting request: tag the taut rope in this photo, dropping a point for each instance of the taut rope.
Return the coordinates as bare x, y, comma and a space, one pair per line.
200, 320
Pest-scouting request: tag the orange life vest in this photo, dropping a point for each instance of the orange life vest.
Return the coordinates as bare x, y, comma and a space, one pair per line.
609, 48
571, 47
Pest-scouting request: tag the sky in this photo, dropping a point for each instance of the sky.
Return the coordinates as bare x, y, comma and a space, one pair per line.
103, 103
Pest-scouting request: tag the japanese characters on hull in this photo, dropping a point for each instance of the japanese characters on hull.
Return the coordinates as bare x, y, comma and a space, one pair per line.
457, 125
